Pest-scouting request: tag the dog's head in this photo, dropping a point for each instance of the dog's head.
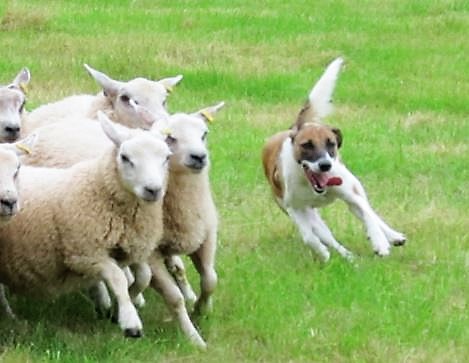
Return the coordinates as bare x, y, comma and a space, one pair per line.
315, 145
315, 148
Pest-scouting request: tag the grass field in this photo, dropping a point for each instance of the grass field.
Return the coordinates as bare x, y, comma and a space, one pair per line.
402, 105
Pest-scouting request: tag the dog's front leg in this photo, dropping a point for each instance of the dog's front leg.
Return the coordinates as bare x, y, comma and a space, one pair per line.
302, 220
394, 237
321, 230
361, 208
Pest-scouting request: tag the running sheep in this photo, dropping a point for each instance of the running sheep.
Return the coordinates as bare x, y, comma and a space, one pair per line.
115, 101
79, 225
189, 213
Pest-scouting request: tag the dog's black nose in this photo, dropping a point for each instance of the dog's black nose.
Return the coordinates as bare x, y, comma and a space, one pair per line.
325, 165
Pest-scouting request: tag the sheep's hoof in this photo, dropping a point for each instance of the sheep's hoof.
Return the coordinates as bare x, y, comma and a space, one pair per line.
114, 319
133, 333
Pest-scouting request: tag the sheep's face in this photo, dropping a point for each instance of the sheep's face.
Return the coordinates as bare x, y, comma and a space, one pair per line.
149, 94
12, 102
9, 169
139, 91
143, 165
188, 142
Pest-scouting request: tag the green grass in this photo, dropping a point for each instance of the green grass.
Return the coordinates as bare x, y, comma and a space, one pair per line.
402, 106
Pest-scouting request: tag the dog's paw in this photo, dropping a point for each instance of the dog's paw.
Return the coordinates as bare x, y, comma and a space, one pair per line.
382, 252
398, 240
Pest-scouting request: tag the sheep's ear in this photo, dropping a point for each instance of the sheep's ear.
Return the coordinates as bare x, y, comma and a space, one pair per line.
110, 86
24, 146
22, 79
209, 113
170, 82
116, 133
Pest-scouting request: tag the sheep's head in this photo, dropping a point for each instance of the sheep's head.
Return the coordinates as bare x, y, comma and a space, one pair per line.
12, 101
9, 169
144, 92
187, 138
142, 159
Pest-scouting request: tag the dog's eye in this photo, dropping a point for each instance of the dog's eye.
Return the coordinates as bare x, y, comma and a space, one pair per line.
308, 145
330, 144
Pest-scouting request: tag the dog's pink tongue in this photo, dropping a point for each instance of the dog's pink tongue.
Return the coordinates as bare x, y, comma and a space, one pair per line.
335, 180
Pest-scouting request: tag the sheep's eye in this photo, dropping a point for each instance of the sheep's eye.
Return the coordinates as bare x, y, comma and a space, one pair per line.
22, 106
204, 136
126, 159
125, 99
164, 103
308, 145
16, 172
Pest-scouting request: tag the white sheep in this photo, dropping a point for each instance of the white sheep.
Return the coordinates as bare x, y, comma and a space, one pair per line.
190, 217
12, 101
78, 225
114, 100
9, 196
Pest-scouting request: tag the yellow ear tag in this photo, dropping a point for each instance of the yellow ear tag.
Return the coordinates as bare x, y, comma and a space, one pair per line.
166, 131
23, 148
169, 89
24, 88
208, 116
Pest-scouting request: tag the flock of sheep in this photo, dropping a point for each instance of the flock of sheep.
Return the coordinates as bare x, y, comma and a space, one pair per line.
112, 189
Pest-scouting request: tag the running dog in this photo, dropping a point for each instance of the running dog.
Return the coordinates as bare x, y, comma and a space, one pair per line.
305, 173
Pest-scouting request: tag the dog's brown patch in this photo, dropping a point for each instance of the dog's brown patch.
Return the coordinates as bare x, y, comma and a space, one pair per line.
270, 155
312, 140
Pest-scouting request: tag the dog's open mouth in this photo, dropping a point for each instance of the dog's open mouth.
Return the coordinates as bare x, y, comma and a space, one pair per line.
319, 181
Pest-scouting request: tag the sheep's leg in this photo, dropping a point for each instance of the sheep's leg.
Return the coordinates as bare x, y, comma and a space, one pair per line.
163, 282
303, 222
5, 304
115, 279
323, 232
204, 262
141, 275
176, 268
102, 300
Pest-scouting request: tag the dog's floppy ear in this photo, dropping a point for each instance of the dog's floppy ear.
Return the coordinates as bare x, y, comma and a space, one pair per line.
338, 136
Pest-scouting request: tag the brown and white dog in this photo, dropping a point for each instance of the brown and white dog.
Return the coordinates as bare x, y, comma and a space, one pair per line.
305, 173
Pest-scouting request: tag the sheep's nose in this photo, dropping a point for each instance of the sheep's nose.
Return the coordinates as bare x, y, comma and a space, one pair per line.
8, 204
13, 131
152, 193
325, 165
199, 158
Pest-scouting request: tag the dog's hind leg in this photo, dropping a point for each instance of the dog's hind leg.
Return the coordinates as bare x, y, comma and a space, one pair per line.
321, 230
303, 222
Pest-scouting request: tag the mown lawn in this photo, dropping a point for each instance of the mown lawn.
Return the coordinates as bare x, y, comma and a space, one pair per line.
402, 105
